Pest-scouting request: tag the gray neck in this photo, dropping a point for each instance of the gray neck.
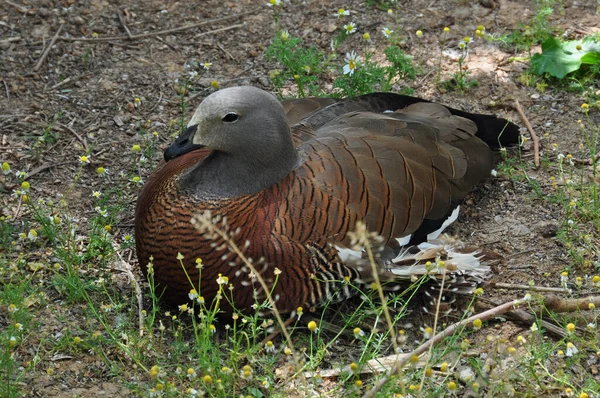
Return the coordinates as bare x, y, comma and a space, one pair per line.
221, 175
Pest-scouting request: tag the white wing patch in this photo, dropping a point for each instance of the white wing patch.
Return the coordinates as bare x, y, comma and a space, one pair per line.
435, 234
403, 241
465, 269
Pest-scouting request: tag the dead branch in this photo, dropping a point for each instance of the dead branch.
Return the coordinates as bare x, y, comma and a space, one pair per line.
511, 286
45, 54
20, 8
376, 365
7, 90
548, 303
18, 211
534, 137
221, 29
525, 317
401, 362
9, 40
166, 43
67, 81
558, 304
587, 162
59, 127
160, 96
225, 51
44, 167
122, 20
161, 32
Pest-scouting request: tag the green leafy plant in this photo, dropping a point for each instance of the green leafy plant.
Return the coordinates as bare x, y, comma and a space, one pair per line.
307, 67
300, 64
460, 79
560, 58
370, 76
536, 31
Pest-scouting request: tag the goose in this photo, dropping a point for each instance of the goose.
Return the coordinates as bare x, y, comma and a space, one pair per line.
285, 186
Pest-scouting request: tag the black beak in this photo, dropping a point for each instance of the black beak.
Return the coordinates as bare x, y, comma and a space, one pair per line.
183, 144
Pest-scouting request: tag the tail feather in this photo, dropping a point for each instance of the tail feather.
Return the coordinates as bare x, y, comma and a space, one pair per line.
464, 269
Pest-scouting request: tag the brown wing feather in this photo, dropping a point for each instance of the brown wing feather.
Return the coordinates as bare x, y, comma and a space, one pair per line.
298, 109
392, 170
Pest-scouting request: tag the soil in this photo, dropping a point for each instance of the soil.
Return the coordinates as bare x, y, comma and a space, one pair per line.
78, 97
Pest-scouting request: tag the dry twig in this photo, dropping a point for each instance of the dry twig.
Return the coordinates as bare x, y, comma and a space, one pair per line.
511, 286
225, 51
9, 40
59, 127
523, 316
484, 316
161, 32
68, 80
166, 43
558, 304
122, 20
44, 167
45, 54
20, 8
534, 137
587, 162
548, 303
376, 365
7, 90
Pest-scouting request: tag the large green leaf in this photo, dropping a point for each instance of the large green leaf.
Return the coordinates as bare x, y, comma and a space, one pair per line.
591, 58
561, 58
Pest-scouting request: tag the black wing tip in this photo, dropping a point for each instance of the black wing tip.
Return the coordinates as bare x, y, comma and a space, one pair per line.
498, 132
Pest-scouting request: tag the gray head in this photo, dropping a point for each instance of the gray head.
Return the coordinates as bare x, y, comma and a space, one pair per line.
241, 120
248, 132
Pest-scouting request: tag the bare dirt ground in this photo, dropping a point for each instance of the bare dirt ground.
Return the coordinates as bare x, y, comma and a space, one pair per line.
81, 99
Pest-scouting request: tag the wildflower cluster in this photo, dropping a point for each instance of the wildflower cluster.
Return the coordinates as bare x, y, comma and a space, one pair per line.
359, 74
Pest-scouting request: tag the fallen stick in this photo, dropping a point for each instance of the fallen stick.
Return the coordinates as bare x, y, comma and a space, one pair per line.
376, 365
45, 166
159, 33
381, 364
122, 20
570, 305
587, 162
47, 51
401, 362
59, 127
231, 57
6, 89
524, 316
547, 303
9, 40
534, 137
21, 9
511, 286
68, 80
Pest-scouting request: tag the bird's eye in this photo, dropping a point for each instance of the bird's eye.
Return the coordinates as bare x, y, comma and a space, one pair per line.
230, 117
